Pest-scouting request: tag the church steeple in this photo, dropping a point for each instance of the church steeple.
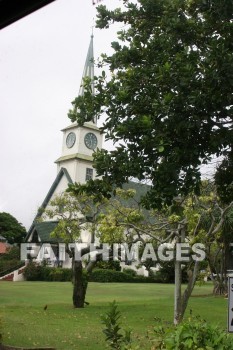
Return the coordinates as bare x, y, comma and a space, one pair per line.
79, 142
88, 68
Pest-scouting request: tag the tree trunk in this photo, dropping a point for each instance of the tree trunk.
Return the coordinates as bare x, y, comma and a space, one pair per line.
79, 285
180, 238
192, 277
177, 303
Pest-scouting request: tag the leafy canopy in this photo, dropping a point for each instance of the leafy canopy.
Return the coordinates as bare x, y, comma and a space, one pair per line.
168, 99
11, 229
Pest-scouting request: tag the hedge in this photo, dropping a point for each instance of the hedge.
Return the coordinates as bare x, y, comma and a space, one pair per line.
35, 272
103, 275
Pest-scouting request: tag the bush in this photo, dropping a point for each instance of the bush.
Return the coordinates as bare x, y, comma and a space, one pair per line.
109, 265
103, 275
35, 272
10, 260
8, 265
130, 272
32, 272
60, 275
12, 254
191, 335
115, 338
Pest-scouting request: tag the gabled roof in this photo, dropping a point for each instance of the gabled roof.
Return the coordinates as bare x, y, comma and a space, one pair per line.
44, 230
62, 172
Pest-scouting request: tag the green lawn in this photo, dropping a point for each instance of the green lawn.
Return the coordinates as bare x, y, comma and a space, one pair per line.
25, 323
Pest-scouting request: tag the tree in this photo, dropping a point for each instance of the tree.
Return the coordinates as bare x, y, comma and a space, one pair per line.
75, 215
224, 179
168, 97
213, 226
125, 221
11, 229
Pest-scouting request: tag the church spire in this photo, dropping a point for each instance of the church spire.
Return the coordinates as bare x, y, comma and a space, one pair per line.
88, 68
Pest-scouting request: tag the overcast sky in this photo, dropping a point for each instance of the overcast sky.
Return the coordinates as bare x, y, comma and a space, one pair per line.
42, 58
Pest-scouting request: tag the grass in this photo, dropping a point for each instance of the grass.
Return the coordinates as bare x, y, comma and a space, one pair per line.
25, 323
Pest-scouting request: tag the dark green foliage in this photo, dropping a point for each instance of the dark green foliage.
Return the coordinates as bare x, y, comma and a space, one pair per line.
10, 259
130, 272
34, 272
6, 265
114, 336
224, 179
109, 265
166, 273
168, 99
11, 229
12, 254
60, 274
103, 275
191, 335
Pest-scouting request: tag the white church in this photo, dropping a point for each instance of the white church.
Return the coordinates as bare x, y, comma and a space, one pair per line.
74, 165
75, 162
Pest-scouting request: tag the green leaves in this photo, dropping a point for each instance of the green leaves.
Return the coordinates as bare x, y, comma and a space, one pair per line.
11, 229
168, 98
194, 334
114, 337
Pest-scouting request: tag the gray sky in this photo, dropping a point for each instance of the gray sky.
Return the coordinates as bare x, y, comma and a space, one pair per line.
42, 58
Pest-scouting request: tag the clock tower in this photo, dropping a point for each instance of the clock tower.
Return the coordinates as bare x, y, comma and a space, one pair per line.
79, 142
75, 163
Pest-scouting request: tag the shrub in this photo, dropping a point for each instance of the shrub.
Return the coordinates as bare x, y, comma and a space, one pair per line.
130, 272
109, 265
12, 254
191, 335
102, 275
60, 275
114, 337
10, 260
35, 272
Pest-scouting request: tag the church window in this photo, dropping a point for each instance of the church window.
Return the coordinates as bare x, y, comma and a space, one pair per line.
89, 174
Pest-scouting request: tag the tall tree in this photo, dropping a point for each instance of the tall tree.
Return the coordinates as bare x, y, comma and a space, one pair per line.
190, 220
11, 229
77, 219
168, 100
224, 179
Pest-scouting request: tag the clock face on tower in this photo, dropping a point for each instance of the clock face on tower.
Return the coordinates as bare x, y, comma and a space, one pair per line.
70, 140
90, 140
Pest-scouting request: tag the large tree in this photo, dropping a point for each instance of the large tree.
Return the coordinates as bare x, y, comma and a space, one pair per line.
168, 98
11, 229
76, 217
188, 221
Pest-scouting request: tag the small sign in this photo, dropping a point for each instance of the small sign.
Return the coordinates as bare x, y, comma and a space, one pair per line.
230, 304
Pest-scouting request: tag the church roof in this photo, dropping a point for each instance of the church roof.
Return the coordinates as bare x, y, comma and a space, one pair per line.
62, 172
44, 230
